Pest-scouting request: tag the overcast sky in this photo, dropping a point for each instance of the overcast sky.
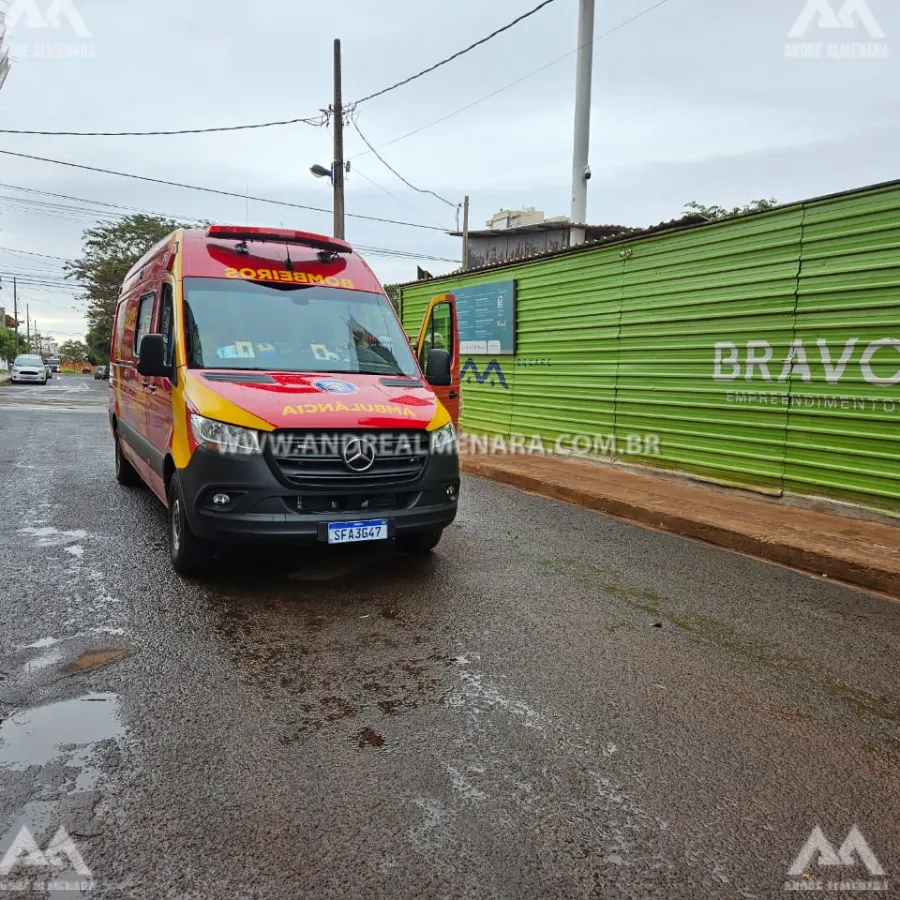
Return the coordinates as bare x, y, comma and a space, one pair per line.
694, 101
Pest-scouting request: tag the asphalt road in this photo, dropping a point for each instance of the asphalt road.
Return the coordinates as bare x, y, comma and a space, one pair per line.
554, 704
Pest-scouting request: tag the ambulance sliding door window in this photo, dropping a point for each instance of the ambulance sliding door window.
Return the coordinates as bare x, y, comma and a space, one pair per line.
144, 320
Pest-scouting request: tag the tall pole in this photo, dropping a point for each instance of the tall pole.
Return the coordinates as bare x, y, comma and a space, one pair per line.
583, 72
337, 168
28, 327
465, 249
16, 315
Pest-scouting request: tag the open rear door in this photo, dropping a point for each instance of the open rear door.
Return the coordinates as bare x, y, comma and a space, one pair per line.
440, 330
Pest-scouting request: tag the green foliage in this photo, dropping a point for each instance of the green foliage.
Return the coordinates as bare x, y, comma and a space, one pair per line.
393, 292
108, 252
98, 347
8, 349
73, 352
713, 213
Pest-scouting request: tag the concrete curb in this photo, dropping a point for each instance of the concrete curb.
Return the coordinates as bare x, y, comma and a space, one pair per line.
790, 550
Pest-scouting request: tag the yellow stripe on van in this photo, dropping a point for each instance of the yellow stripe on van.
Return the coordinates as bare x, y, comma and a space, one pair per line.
212, 405
440, 419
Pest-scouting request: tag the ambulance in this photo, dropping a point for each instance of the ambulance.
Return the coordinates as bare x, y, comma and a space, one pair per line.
263, 388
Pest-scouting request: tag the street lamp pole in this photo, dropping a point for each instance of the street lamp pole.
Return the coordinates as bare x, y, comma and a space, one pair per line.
337, 168
584, 69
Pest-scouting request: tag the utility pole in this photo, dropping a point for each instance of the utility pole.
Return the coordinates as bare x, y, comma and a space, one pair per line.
584, 70
337, 167
28, 327
16, 315
465, 249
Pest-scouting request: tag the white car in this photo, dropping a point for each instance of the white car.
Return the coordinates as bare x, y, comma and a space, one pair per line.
28, 368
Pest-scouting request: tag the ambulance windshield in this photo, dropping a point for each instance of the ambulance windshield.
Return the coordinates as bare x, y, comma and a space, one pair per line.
292, 328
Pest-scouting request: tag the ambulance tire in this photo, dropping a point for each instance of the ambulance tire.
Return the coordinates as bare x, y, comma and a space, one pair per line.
126, 474
421, 543
187, 553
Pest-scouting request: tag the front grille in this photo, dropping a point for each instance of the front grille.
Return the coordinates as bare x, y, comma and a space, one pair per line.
314, 459
363, 503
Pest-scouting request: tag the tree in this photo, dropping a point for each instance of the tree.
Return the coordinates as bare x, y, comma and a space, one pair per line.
98, 348
393, 292
108, 252
8, 349
73, 352
713, 213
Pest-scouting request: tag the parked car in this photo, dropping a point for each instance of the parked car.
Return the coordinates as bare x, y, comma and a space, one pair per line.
101, 372
53, 362
28, 367
49, 369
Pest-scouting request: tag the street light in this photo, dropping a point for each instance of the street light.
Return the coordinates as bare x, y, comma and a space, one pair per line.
322, 172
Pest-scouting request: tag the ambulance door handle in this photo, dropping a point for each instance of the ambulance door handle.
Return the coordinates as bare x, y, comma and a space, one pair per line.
454, 395
151, 387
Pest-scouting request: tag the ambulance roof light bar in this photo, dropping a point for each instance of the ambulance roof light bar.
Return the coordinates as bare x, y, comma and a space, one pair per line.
279, 236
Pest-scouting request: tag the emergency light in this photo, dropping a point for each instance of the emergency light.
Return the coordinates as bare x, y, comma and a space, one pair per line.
279, 236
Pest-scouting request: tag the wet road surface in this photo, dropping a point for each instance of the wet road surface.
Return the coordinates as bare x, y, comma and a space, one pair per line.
554, 704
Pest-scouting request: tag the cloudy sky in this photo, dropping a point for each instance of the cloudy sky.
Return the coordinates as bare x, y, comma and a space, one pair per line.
694, 101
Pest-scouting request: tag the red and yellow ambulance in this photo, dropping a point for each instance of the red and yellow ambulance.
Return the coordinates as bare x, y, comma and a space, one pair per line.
262, 386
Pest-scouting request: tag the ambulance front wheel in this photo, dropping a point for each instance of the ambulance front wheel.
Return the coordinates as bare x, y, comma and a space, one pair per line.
422, 542
187, 552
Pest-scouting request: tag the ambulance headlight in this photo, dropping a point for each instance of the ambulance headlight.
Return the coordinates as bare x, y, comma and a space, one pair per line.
444, 439
228, 439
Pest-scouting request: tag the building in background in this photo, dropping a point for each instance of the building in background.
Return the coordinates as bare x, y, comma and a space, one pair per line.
514, 234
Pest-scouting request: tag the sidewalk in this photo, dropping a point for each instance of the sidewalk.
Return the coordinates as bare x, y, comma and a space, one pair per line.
860, 552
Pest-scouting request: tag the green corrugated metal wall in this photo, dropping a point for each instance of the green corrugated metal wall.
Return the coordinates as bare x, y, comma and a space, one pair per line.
761, 352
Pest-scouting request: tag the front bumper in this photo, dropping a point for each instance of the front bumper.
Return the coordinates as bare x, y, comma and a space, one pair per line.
263, 505
27, 376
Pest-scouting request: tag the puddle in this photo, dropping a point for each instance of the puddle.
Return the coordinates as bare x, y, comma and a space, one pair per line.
59, 731
44, 661
41, 644
76, 550
93, 659
52, 537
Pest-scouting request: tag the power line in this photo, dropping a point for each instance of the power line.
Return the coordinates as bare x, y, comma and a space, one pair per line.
194, 187
383, 251
381, 187
387, 165
511, 84
403, 254
131, 209
32, 253
456, 55
317, 121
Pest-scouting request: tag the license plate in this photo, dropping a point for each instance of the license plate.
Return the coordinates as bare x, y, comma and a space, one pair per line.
349, 532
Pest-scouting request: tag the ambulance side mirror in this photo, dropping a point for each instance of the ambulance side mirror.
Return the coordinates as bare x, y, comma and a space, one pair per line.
152, 357
437, 370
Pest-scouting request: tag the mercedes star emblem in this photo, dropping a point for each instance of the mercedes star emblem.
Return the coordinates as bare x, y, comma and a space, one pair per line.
359, 455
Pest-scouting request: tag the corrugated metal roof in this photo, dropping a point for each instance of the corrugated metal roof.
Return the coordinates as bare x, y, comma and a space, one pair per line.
541, 226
